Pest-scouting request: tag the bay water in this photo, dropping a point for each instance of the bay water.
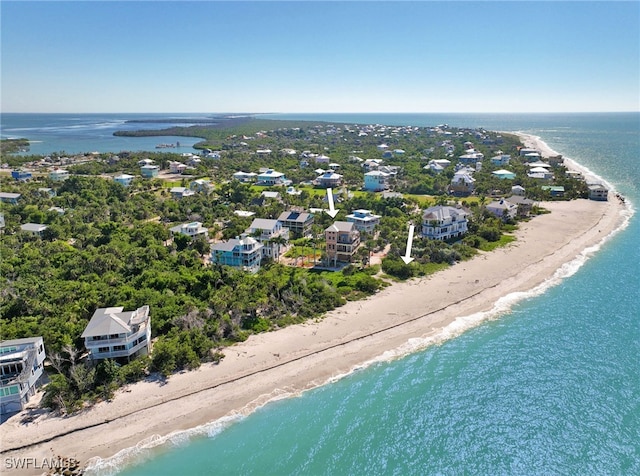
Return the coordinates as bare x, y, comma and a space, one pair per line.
549, 383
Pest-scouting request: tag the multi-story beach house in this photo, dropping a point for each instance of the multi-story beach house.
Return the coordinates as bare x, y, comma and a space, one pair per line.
58, 175
342, 242
21, 175
124, 179
462, 183
599, 192
503, 209
192, 229
244, 177
376, 181
329, 179
500, 160
272, 235
242, 252
364, 220
443, 222
298, 223
270, 177
524, 205
149, 171
176, 167
21, 372
113, 333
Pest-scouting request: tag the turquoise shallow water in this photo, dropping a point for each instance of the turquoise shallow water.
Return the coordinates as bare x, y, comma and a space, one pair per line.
551, 387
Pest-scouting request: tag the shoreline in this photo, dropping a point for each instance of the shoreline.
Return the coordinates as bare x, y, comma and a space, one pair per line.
401, 319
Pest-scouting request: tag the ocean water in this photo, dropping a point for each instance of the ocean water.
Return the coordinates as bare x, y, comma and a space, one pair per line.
549, 383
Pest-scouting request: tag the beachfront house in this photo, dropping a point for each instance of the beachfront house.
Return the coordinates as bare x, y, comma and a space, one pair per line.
525, 205
58, 175
376, 181
21, 372
503, 209
192, 230
113, 333
298, 223
597, 191
364, 220
272, 235
242, 252
443, 222
342, 242
555, 191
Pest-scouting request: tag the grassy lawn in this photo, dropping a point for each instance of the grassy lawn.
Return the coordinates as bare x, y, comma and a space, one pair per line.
492, 245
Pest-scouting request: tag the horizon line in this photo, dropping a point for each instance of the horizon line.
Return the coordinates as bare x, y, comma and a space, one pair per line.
321, 112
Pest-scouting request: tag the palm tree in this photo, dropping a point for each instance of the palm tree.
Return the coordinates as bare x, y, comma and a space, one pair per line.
279, 241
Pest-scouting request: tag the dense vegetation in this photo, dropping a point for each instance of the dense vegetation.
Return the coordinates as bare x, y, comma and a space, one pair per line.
8, 146
112, 247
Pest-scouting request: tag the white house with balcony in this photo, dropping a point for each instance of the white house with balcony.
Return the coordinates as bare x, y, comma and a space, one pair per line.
21, 372
364, 220
59, 175
113, 333
271, 177
442, 222
273, 236
503, 209
192, 229
124, 179
329, 179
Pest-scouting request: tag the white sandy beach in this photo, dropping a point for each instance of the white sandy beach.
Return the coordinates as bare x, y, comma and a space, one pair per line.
299, 357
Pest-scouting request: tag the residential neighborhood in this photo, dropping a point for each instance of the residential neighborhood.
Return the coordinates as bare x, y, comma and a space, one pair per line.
248, 234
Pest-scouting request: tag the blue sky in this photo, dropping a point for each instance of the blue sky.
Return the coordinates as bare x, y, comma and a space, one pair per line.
162, 56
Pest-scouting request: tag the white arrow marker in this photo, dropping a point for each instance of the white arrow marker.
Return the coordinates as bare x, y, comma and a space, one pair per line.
332, 211
407, 256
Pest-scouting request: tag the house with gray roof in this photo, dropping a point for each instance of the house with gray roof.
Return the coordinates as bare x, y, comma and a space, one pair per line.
21, 372
298, 223
243, 252
35, 229
113, 333
272, 235
443, 222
